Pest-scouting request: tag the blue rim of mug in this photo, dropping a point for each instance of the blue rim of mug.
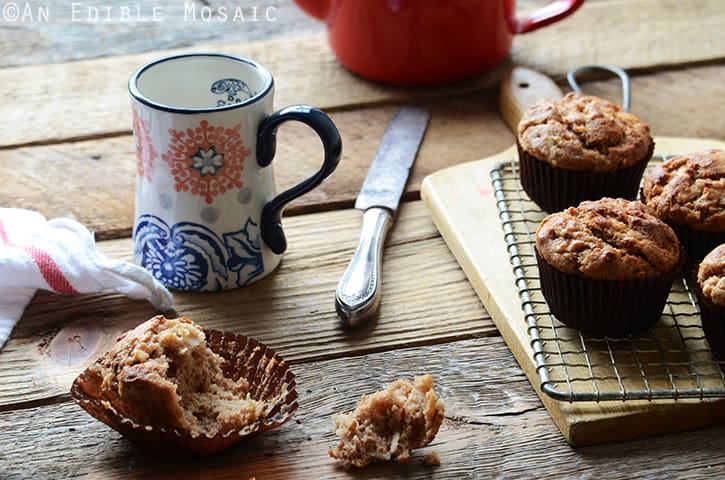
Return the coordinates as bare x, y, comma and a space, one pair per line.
136, 93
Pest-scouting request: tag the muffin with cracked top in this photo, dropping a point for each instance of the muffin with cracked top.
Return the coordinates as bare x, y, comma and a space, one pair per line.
581, 148
709, 285
688, 193
606, 266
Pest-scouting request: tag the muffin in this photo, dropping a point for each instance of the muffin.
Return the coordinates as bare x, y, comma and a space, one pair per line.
606, 266
688, 192
709, 285
388, 424
170, 385
581, 148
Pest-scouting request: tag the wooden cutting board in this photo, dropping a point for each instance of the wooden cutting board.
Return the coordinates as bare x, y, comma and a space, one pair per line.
462, 203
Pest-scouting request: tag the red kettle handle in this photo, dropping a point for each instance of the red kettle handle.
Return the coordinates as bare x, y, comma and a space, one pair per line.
547, 15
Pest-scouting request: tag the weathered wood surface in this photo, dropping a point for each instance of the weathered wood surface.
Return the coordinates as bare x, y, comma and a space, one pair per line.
88, 98
53, 30
292, 310
66, 151
495, 427
93, 180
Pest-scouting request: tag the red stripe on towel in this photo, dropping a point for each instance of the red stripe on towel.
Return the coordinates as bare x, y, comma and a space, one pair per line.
47, 266
4, 235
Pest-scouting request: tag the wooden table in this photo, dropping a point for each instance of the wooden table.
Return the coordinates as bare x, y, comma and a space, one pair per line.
66, 150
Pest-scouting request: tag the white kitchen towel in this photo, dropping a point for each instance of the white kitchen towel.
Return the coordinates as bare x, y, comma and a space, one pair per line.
60, 256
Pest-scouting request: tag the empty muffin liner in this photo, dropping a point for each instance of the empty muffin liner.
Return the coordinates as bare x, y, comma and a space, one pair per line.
713, 319
554, 189
269, 377
605, 307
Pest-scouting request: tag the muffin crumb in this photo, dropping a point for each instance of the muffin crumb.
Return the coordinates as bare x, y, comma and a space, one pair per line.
388, 424
432, 459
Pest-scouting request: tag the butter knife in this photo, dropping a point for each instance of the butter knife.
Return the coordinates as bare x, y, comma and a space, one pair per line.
357, 297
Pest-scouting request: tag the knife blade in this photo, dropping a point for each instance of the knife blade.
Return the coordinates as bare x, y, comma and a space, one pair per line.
357, 296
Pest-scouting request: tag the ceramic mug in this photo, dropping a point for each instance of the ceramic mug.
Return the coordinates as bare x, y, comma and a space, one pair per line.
207, 215
426, 42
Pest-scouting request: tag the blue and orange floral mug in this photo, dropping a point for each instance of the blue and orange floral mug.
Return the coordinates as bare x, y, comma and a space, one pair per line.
207, 213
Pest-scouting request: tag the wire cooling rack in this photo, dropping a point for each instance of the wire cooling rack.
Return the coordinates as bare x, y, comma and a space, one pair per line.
672, 360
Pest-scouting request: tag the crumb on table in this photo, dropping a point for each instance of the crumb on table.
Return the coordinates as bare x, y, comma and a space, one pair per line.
432, 459
388, 424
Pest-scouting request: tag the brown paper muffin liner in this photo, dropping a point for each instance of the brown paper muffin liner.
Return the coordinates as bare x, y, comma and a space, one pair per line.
269, 377
713, 319
697, 243
554, 189
604, 307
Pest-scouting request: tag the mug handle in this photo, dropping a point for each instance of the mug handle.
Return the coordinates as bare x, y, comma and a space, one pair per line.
547, 15
271, 221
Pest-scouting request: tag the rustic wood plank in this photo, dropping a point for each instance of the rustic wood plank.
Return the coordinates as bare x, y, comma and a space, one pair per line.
93, 181
677, 102
489, 270
87, 99
495, 427
426, 299
55, 31
666, 100
629, 34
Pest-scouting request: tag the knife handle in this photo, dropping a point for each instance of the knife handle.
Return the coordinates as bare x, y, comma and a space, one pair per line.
358, 294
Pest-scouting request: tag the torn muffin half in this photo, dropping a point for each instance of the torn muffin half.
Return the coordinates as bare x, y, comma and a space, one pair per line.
388, 424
